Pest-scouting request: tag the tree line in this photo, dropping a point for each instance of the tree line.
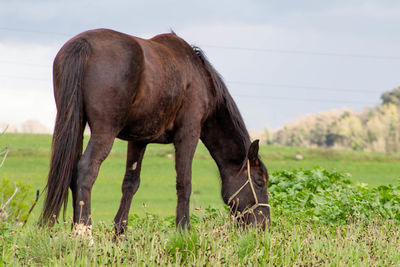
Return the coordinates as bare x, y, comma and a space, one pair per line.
373, 129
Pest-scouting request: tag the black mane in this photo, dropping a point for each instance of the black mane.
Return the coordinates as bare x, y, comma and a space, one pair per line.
224, 99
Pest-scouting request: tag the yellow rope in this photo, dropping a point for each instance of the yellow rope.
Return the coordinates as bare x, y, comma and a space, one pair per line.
256, 205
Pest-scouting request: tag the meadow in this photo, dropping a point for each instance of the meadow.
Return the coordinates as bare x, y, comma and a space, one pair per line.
356, 235
28, 161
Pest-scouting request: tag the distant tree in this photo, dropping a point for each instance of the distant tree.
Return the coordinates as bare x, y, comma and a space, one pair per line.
373, 129
392, 97
268, 136
34, 127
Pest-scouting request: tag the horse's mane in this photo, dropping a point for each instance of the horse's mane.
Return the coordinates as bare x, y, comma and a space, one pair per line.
224, 99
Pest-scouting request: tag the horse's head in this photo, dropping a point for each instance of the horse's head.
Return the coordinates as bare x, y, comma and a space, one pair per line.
246, 194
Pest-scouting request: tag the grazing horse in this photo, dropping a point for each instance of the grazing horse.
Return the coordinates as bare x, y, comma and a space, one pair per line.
160, 90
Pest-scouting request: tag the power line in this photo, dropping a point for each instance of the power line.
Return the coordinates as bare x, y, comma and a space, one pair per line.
264, 50
24, 63
25, 78
241, 82
301, 52
303, 87
257, 84
305, 99
242, 95
34, 31
316, 53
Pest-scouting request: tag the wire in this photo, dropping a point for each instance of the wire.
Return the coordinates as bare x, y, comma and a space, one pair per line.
300, 52
241, 95
314, 53
305, 99
34, 31
25, 78
244, 83
265, 50
303, 87
24, 63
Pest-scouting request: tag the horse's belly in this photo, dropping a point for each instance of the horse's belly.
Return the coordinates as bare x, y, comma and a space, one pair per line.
152, 127
150, 132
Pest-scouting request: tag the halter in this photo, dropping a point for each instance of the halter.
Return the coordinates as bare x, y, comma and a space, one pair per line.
249, 181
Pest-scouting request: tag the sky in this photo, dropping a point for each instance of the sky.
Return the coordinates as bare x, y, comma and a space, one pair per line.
280, 59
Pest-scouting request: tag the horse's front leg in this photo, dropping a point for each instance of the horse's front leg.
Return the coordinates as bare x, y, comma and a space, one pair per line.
185, 145
130, 184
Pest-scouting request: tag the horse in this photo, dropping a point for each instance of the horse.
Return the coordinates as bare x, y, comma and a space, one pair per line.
158, 90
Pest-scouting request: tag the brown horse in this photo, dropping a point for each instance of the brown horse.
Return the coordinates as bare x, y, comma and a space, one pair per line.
160, 90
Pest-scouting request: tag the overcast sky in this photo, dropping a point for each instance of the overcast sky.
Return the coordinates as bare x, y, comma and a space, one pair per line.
280, 59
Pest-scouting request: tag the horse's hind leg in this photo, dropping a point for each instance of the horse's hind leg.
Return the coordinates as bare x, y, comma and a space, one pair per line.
130, 184
97, 150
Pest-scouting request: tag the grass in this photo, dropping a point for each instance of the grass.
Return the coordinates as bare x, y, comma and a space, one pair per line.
213, 240
151, 239
373, 168
28, 161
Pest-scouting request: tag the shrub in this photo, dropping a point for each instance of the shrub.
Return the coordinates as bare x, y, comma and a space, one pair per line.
328, 197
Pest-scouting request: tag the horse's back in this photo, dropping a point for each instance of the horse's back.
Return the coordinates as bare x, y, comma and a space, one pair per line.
137, 88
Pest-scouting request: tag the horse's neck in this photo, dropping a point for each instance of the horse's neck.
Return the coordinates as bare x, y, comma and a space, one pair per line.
225, 144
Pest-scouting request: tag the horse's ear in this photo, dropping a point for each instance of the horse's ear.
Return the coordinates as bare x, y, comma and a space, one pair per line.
252, 154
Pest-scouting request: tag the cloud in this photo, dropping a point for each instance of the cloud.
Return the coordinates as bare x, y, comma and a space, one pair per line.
26, 83
342, 27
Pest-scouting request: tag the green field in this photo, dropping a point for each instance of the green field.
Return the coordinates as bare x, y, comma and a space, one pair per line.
318, 218
28, 161
215, 241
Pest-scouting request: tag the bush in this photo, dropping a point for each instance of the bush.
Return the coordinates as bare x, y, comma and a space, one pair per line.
328, 197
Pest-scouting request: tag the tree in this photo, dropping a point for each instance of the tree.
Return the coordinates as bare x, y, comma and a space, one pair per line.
392, 97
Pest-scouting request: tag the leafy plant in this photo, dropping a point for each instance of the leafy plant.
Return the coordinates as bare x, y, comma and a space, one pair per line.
329, 197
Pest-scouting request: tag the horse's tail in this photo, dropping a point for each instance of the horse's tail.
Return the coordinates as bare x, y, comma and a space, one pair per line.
68, 72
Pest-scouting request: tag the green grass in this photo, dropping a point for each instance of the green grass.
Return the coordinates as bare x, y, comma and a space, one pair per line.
313, 221
28, 161
373, 168
214, 240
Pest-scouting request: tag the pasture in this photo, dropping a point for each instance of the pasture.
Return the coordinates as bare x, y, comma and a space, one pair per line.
214, 239
28, 161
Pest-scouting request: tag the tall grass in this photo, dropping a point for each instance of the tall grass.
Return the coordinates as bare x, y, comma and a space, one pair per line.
213, 240
318, 218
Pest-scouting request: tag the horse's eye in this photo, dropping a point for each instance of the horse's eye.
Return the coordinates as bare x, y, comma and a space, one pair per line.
259, 181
